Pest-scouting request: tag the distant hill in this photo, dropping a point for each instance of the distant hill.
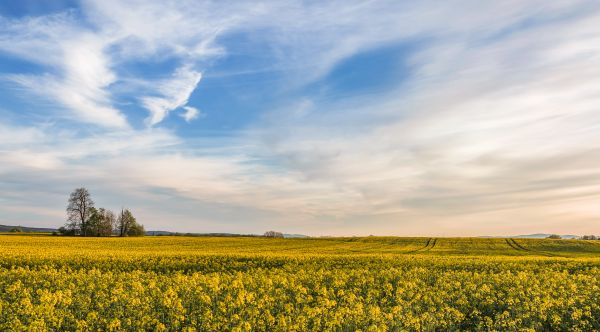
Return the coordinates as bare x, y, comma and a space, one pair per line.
25, 229
167, 233
7, 228
294, 236
543, 236
534, 236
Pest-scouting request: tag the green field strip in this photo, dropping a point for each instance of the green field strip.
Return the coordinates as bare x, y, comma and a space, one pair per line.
570, 248
518, 246
432, 245
425, 248
512, 245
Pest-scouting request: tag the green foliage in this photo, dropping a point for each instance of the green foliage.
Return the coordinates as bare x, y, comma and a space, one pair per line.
17, 229
555, 237
333, 284
136, 230
67, 231
101, 222
127, 225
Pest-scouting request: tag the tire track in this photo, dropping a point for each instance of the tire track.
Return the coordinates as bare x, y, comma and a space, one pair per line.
431, 242
512, 245
432, 245
517, 246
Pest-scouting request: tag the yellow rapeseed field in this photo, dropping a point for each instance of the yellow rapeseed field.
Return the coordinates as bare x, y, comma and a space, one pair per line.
326, 284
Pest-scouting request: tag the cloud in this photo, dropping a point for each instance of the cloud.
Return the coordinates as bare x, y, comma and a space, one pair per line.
78, 70
82, 61
173, 93
479, 133
191, 113
84, 53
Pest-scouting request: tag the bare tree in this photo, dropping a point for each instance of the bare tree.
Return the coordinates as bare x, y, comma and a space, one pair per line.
78, 211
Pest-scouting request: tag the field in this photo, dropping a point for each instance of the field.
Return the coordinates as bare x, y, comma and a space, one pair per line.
338, 284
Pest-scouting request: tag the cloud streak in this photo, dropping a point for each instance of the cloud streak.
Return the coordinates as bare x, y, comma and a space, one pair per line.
191, 113
173, 93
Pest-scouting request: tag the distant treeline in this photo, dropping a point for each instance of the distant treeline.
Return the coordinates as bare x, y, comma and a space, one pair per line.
585, 237
590, 237
23, 229
272, 234
164, 233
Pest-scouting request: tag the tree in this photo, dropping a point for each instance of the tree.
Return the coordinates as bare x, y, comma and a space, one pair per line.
78, 211
554, 236
17, 229
127, 225
136, 230
101, 222
66, 231
124, 222
109, 222
590, 237
273, 234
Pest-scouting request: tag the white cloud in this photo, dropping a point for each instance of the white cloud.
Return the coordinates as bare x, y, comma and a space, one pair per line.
173, 93
78, 68
481, 133
81, 59
190, 113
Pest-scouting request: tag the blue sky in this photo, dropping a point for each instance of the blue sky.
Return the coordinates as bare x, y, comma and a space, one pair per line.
322, 118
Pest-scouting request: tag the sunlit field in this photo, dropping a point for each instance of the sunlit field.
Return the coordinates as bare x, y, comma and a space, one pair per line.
347, 284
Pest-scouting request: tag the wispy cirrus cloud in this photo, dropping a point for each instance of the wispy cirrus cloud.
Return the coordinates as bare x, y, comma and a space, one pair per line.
81, 58
173, 93
78, 70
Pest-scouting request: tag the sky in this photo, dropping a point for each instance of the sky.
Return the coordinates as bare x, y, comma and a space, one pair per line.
410, 118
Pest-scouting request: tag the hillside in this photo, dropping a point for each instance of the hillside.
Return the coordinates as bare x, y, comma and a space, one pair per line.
8, 228
25, 229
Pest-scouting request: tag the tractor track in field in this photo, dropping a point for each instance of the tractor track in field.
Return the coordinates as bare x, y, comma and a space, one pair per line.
431, 242
515, 245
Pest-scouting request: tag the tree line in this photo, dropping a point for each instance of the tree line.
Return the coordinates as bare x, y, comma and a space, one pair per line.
84, 219
584, 237
590, 237
273, 234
